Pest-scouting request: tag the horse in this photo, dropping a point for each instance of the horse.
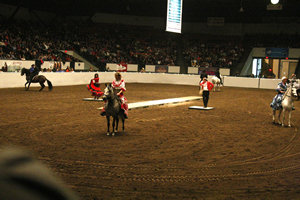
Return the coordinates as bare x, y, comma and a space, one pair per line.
113, 109
36, 79
286, 106
217, 83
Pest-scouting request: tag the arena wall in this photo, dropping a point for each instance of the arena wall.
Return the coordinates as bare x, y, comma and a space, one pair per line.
241, 82
14, 79
134, 68
14, 65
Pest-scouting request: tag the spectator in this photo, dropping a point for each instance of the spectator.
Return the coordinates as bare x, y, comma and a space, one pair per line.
23, 177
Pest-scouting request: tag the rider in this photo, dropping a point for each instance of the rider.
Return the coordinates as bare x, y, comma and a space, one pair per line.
294, 81
94, 87
218, 75
119, 85
33, 72
281, 89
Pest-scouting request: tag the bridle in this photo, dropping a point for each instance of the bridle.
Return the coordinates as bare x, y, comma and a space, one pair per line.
286, 93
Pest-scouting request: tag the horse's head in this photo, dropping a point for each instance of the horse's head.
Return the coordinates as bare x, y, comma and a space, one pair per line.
288, 92
108, 92
23, 71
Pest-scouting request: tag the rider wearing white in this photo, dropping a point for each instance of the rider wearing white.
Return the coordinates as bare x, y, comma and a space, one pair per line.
281, 89
295, 84
119, 85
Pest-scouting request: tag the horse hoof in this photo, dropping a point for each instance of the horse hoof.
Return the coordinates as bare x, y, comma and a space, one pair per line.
113, 134
107, 133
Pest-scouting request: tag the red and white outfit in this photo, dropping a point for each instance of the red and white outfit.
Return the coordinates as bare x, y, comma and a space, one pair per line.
120, 85
207, 86
94, 87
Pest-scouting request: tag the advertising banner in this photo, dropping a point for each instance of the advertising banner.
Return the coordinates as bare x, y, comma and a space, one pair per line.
161, 68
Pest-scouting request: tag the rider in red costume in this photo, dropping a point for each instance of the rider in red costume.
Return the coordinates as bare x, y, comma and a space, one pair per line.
94, 87
119, 85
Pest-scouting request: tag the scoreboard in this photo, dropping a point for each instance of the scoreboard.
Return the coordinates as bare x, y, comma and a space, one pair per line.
174, 16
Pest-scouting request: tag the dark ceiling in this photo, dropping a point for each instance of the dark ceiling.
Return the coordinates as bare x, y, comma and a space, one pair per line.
193, 10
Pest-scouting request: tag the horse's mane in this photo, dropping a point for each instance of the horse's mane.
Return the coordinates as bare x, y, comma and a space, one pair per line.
288, 91
24, 71
113, 94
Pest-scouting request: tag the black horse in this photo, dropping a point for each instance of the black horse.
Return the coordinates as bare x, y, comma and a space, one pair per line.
113, 108
36, 79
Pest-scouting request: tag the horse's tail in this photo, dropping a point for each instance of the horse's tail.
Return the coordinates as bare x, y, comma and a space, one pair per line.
49, 84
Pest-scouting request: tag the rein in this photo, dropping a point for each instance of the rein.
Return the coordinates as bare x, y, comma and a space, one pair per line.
113, 96
286, 94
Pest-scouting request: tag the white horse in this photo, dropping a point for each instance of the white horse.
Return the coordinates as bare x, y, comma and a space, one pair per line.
217, 83
287, 105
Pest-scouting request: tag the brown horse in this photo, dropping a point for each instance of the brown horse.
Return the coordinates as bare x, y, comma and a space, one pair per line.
36, 79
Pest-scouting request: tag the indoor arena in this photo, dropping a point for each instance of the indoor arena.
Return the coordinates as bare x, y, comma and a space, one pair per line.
185, 135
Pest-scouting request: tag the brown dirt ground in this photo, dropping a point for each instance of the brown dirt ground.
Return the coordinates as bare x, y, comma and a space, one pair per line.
166, 152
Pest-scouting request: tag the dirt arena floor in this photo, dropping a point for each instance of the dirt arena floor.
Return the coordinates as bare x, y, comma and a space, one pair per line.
167, 152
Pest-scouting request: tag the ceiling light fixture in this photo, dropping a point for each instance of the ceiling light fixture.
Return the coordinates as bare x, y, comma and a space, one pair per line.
274, 2
241, 9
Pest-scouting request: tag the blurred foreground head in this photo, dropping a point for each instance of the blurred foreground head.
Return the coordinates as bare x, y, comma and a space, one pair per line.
23, 177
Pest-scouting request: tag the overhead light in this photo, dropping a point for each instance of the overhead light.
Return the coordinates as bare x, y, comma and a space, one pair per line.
274, 2
241, 9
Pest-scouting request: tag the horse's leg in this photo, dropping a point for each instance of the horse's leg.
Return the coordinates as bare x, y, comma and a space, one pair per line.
283, 117
274, 114
117, 124
290, 115
123, 124
279, 114
28, 85
108, 124
42, 86
113, 126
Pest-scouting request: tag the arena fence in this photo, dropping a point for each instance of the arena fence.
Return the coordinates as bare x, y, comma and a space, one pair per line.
14, 79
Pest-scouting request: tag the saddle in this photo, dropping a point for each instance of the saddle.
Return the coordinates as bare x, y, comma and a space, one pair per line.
35, 78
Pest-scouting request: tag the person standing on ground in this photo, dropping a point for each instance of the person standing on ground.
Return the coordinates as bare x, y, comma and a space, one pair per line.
206, 86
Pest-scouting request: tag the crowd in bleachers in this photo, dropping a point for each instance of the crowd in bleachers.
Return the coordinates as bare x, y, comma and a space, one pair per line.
26, 41
116, 44
128, 44
207, 54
